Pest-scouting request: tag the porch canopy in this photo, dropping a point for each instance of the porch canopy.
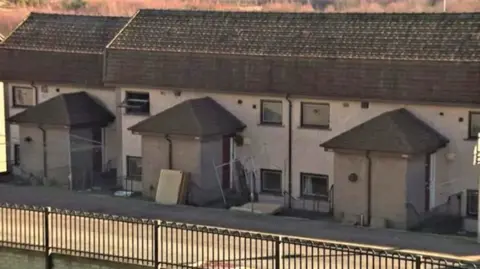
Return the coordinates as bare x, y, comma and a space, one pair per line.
200, 117
73, 110
397, 131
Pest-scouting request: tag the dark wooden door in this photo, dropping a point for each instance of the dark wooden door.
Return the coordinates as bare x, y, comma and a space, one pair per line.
97, 150
226, 162
427, 182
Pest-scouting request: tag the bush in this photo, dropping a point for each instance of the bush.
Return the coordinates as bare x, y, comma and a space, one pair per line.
74, 5
28, 3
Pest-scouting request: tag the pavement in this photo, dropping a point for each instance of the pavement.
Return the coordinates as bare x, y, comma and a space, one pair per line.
386, 239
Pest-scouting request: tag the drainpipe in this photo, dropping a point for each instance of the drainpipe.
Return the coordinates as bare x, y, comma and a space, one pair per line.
44, 139
290, 132
170, 152
369, 188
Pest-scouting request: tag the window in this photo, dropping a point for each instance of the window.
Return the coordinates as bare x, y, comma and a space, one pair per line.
23, 96
474, 125
315, 115
271, 112
314, 186
16, 154
271, 181
134, 168
472, 203
137, 103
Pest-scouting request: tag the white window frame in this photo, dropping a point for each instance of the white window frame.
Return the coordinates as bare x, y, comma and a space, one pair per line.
18, 103
263, 104
262, 181
304, 177
314, 125
137, 106
134, 176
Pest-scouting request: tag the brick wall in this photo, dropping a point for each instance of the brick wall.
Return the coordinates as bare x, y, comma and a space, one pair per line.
22, 259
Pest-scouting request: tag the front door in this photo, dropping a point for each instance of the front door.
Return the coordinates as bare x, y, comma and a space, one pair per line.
226, 162
427, 182
97, 150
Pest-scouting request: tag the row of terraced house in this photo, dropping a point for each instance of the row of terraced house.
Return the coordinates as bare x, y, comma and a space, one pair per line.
375, 114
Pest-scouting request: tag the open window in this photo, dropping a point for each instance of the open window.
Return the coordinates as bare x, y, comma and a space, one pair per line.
137, 103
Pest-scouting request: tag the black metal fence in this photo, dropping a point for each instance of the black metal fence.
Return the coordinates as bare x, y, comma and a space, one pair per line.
159, 244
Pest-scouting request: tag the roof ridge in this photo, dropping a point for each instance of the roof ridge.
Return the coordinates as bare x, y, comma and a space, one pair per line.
74, 15
191, 103
327, 14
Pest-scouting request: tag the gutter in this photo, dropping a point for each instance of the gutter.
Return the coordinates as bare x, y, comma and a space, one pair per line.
290, 132
369, 188
170, 152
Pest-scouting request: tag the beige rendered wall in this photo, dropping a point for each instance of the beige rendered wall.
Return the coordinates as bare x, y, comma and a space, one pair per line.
388, 190
105, 96
186, 155
57, 150
350, 198
268, 144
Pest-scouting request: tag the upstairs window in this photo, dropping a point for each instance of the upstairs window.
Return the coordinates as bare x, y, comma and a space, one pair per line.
474, 125
137, 103
271, 112
23, 96
315, 115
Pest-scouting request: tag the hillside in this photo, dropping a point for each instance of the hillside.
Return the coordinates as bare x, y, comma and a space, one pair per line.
14, 11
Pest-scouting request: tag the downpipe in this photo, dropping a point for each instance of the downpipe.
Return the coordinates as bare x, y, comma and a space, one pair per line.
290, 133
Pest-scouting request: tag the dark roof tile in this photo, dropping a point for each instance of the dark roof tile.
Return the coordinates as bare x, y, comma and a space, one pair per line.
195, 117
420, 36
65, 33
71, 109
397, 131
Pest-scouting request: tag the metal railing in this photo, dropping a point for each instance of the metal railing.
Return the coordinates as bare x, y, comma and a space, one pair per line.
160, 244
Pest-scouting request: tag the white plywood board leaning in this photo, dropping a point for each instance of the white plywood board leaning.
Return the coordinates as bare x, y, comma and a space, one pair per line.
169, 187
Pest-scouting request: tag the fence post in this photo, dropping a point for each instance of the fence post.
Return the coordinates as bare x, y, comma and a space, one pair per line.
46, 237
418, 262
156, 226
277, 252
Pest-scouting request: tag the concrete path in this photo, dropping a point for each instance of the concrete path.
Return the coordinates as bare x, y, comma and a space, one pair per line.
466, 248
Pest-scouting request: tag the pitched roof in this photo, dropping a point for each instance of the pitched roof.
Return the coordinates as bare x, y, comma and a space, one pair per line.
58, 48
51, 67
195, 117
65, 33
417, 36
70, 109
1, 38
397, 131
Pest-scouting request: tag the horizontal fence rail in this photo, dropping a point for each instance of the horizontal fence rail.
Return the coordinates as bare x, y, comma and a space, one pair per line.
159, 244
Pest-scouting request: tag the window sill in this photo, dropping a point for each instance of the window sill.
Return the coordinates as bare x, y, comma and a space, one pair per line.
471, 216
22, 107
313, 127
272, 193
314, 198
137, 114
278, 125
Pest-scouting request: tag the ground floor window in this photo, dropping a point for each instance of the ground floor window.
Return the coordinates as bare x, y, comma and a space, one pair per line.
472, 203
314, 186
134, 168
271, 181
